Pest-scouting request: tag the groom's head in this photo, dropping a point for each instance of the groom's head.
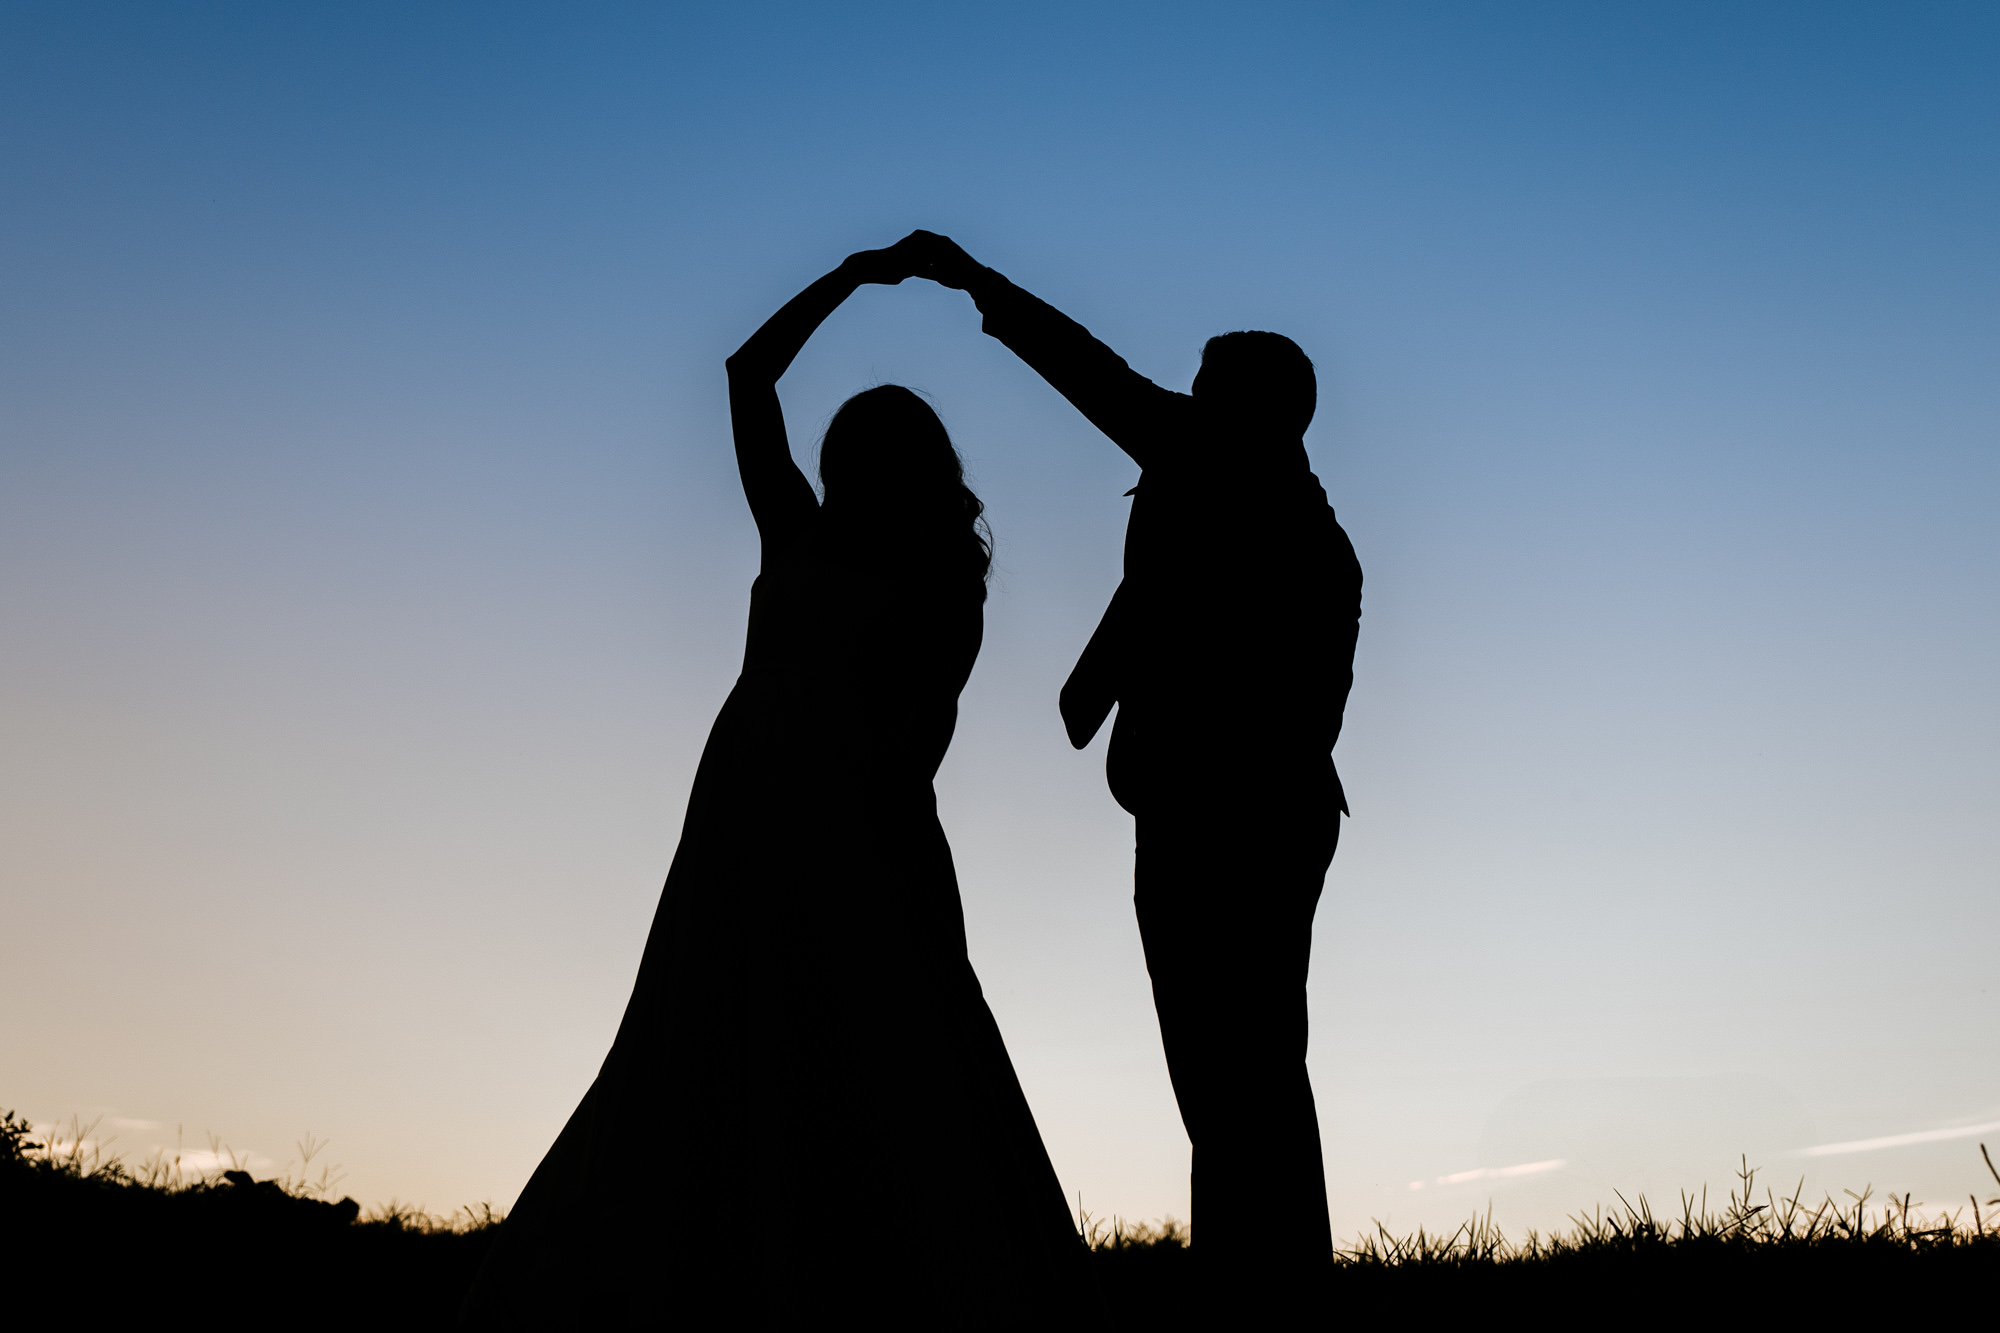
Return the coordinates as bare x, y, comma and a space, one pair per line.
1259, 384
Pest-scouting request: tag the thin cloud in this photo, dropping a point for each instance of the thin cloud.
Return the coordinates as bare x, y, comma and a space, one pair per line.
204, 1161
1897, 1140
1490, 1173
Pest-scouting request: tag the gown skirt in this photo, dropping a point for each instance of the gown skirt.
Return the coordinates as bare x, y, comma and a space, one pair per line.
808, 1113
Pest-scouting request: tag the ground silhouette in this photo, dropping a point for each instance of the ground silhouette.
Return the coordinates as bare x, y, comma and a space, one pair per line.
92, 1244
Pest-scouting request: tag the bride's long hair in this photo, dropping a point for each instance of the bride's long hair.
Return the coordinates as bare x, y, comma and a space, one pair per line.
895, 490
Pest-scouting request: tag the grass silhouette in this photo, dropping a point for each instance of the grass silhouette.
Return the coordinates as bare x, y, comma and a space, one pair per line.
93, 1241
1761, 1255
98, 1243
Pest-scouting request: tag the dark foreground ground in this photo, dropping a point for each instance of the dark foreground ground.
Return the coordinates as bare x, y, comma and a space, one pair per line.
88, 1244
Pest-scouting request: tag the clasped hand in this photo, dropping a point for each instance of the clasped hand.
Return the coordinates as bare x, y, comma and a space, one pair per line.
921, 254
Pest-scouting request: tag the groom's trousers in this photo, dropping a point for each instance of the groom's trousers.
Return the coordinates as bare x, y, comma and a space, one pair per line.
1225, 900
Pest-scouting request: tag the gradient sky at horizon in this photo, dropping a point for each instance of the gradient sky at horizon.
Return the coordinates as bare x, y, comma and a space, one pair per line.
372, 563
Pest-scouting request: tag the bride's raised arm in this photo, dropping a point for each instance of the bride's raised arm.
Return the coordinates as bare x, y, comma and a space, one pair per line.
781, 499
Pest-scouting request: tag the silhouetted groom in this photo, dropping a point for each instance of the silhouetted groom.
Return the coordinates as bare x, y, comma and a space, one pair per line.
1229, 650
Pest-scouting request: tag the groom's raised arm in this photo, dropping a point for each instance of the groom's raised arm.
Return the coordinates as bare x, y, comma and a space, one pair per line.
1141, 418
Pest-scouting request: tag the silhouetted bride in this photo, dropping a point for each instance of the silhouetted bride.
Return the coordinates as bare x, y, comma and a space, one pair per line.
808, 1112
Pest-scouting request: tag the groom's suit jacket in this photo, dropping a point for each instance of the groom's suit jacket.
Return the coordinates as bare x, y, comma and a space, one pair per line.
1229, 646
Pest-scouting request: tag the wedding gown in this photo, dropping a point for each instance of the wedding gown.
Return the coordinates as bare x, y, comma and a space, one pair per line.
808, 1112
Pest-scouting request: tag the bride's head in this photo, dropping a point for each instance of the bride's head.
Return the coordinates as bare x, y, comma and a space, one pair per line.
895, 486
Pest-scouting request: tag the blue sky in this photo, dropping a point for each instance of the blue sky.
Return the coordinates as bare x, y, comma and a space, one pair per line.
373, 563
